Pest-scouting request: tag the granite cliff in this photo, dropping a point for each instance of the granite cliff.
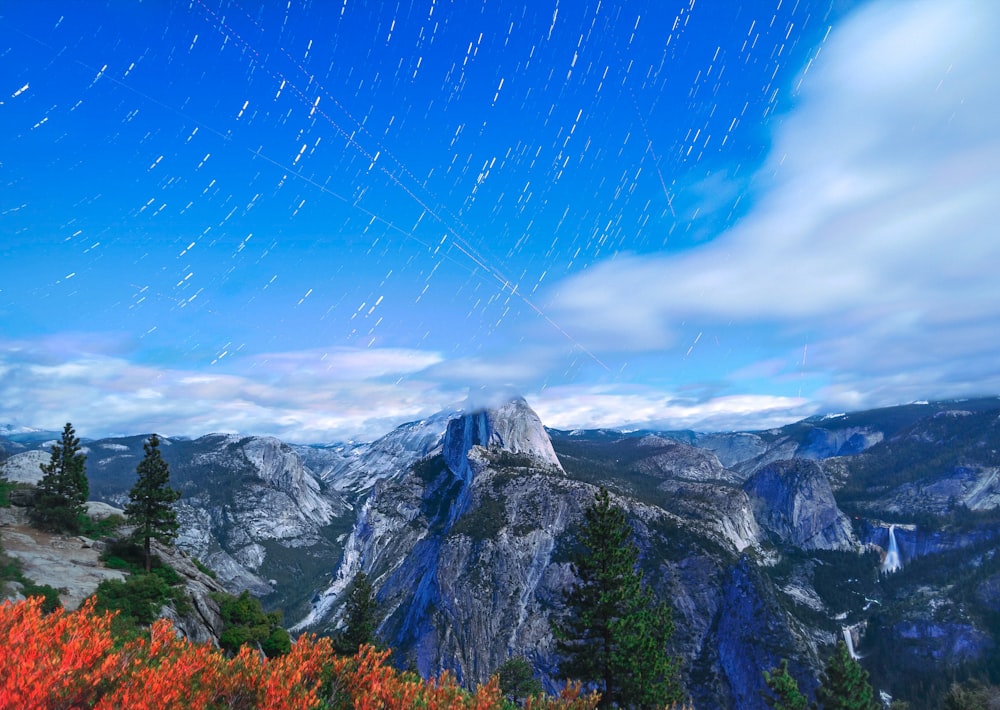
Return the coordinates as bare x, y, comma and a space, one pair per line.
768, 544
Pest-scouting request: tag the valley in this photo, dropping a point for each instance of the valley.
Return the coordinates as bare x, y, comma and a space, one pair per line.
879, 527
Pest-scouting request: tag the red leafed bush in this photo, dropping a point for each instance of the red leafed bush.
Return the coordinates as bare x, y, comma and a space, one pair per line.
70, 660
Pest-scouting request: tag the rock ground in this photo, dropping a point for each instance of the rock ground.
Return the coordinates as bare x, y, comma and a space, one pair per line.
69, 564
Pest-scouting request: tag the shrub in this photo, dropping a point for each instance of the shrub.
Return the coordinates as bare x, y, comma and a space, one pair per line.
203, 568
247, 624
101, 529
139, 597
72, 660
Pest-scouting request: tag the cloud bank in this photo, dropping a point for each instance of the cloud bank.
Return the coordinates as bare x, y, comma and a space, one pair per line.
873, 237
312, 396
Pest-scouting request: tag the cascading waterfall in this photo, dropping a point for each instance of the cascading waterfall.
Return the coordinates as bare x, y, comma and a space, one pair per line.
849, 640
892, 562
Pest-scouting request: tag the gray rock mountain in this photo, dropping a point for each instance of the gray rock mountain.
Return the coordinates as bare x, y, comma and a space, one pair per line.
468, 549
767, 544
250, 508
793, 501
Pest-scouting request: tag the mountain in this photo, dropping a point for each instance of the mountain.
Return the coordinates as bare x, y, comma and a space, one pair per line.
768, 544
72, 565
250, 508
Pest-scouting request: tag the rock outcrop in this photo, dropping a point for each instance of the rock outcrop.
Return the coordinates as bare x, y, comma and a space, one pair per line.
69, 564
793, 501
202, 622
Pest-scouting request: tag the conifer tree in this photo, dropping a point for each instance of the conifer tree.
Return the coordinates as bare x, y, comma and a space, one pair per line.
63, 490
784, 689
517, 680
4, 483
360, 617
844, 684
615, 633
149, 507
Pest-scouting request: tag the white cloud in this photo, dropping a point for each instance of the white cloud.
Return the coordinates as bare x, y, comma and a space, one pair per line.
594, 407
872, 238
874, 233
342, 363
307, 398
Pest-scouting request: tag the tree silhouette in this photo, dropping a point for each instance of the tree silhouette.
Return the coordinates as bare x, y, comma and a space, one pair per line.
844, 684
784, 689
615, 632
63, 490
149, 507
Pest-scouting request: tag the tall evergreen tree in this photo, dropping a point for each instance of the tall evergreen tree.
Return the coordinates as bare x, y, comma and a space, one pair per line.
844, 684
149, 507
4, 483
784, 693
360, 617
63, 490
615, 633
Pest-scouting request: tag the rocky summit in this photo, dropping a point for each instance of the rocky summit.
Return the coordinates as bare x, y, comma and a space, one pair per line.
878, 526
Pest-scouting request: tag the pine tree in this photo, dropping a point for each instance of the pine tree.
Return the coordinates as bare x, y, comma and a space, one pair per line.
360, 616
149, 507
615, 633
63, 490
844, 684
784, 689
4, 483
517, 680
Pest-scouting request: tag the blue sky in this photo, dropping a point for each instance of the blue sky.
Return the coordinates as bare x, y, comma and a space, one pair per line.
320, 221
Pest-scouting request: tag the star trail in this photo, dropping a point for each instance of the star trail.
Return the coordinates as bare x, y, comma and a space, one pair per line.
319, 220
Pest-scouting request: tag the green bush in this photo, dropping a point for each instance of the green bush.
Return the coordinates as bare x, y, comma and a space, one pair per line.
139, 597
11, 570
128, 556
48, 593
101, 529
247, 624
203, 568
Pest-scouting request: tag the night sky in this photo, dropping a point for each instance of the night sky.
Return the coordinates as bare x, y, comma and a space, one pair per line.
320, 220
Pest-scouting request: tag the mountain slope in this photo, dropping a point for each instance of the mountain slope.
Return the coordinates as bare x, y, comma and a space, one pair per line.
768, 544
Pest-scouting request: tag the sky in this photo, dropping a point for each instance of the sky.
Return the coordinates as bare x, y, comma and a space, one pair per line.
320, 220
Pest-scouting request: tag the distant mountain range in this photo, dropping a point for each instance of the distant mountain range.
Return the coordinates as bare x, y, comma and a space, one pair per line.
768, 544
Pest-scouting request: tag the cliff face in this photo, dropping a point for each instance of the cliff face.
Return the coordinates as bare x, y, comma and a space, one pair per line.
793, 501
469, 552
755, 633
767, 544
482, 513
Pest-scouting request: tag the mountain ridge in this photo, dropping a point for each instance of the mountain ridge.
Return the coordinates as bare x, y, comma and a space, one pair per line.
767, 543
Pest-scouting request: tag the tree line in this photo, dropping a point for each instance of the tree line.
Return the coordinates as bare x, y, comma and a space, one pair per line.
61, 498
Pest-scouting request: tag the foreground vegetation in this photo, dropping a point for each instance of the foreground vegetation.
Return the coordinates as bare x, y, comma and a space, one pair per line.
72, 659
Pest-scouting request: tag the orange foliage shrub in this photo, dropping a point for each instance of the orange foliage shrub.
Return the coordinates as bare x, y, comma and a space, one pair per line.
70, 660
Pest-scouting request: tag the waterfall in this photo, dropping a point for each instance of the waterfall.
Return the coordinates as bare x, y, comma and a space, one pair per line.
849, 640
892, 562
